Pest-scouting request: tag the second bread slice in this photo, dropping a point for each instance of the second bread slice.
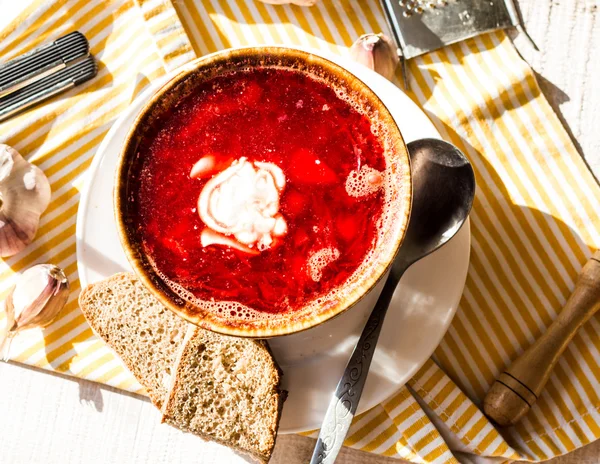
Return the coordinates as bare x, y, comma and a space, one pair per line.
226, 389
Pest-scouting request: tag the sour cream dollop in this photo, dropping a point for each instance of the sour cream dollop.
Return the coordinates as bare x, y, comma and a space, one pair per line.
240, 205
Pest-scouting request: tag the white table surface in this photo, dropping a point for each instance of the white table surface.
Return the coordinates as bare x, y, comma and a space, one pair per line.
51, 419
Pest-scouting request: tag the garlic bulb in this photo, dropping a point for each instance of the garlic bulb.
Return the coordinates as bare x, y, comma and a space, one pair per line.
24, 196
295, 2
37, 298
377, 52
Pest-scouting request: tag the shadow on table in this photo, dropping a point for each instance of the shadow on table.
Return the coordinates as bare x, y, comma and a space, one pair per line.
91, 395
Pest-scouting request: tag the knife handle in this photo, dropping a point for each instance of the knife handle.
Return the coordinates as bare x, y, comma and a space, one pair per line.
517, 388
47, 87
41, 62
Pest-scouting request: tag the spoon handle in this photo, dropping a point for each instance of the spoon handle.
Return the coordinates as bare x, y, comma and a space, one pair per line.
518, 387
344, 402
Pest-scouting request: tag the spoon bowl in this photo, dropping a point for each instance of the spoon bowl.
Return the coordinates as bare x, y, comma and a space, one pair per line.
443, 193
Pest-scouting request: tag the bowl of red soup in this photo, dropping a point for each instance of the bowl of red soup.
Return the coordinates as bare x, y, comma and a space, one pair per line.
262, 191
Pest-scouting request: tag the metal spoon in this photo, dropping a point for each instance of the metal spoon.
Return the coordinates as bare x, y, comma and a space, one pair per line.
443, 191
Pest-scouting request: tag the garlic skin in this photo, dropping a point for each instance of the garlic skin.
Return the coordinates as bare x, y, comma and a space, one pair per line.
376, 52
37, 298
295, 2
24, 196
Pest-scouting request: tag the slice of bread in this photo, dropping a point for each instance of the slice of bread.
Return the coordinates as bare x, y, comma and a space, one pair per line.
139, 329
226, 389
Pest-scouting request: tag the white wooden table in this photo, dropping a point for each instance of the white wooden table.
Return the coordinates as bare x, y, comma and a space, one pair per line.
54, 419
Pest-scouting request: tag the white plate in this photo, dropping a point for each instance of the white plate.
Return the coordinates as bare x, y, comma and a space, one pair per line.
312, 361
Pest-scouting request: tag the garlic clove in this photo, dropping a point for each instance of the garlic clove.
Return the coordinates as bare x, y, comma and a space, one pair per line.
39, 295
376, 52
35, 300
295, 2
24, 196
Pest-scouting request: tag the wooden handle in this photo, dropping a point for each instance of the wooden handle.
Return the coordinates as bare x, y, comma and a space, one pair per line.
518, 387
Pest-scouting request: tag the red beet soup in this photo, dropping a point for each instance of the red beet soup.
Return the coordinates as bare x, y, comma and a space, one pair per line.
261, 187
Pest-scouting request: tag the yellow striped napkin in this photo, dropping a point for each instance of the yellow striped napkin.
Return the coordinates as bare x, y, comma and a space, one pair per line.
533, 223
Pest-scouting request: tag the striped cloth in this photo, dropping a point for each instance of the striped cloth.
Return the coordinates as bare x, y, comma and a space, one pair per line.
533, 222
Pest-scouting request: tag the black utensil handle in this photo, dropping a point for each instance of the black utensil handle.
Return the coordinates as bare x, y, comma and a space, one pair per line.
47, 87
343, 404
42, 61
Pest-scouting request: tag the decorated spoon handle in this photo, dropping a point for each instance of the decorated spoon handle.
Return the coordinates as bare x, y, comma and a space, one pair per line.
518, 387
343, 404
